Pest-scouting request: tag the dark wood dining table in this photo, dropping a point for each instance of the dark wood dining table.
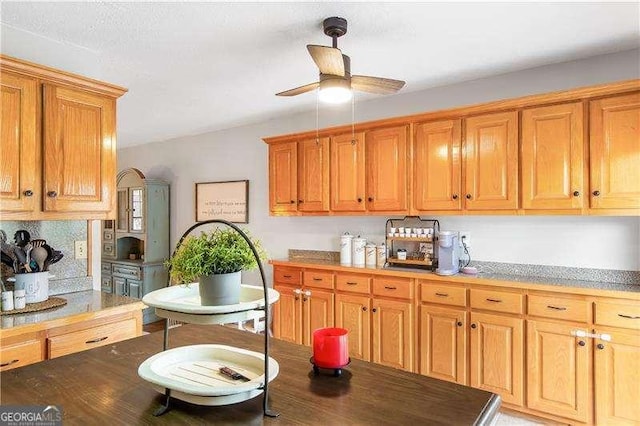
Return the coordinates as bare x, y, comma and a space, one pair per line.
102, 386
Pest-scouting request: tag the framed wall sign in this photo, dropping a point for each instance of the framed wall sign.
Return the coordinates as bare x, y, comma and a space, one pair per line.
223, 200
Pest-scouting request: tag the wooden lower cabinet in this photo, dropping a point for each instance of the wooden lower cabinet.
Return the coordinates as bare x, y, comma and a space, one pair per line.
392, 329
443, 343
496, 356
558, 369
352, 313
617, 378
317, 312
287, 314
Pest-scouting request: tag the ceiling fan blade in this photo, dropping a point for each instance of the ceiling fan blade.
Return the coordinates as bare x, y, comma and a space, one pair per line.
298, 90
328, 59
379, 85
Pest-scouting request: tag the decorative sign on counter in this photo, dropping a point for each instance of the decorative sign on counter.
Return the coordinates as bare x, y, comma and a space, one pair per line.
223, 200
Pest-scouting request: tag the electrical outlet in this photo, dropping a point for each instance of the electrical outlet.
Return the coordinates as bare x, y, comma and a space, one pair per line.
81, 249
466, 238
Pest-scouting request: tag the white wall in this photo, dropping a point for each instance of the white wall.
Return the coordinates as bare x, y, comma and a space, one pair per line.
239, 153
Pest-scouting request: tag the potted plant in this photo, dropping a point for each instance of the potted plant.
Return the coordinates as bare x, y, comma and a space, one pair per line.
215, 259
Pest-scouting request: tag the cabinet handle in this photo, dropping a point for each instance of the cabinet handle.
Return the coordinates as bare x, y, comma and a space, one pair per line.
596, 193
359, 200
296, 298
459, 323
293, 201
454, 196
468, 196
351, 283
494, 300
9, 363
317, 279
304, 299
576, 193
375, 310
600, 346
442, 294
96, 340
473, 326
300, 201
390, 287
581, 343
370, 198
364, 308
287, 276
28, 193
628, 316
557, 308
52, 194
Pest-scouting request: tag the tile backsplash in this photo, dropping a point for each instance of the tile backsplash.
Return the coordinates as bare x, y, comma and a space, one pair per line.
69, 274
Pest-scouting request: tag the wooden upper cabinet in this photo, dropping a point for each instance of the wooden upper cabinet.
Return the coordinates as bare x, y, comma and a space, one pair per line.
386, 160
19, 154
491, 162
615, 152
437, 166
79, 150
348, 173
553, 157
283, 177
313, 175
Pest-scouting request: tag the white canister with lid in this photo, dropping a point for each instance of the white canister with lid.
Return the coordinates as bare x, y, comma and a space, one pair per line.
381, 255
358, 251
346, 242
370, 254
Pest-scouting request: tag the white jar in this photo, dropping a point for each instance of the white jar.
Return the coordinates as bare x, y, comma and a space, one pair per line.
370, 254
381, 255
358, 251
346, 242
402, 254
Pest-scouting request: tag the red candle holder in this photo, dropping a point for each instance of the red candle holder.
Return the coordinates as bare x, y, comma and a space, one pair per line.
330, 349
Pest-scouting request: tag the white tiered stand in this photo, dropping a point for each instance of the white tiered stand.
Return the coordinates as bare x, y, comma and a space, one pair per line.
191, 373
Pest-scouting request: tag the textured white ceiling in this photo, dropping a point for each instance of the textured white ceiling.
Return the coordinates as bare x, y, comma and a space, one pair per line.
197, 67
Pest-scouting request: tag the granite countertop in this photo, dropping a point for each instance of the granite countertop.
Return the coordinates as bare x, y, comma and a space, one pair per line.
78, 303
483, 277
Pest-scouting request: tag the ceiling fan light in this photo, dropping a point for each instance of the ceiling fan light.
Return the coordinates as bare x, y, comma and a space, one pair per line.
335, 91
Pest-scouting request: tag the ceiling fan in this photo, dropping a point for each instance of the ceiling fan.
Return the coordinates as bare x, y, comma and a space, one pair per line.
336, 82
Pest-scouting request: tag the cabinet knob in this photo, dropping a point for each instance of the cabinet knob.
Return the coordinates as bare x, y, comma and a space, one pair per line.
364, 308
359, 200
596, 193
375, 310
304, 299
293, 201
459, 323
600, 346
473, 326
52, 194
28, 193
576, 193
468, 196
581, 343
300, 201
454, 196
370, 198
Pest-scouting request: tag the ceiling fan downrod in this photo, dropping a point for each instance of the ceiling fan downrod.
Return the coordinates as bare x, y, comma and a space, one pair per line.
335, 27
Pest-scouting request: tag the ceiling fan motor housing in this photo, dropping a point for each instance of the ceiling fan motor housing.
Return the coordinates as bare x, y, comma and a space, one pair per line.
335, 27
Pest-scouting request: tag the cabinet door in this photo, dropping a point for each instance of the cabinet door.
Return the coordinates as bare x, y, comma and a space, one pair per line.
497, 360
617, 379
313, 175
443, 343
558, 370
283, 177
387, 169
393, 333
348, 173
79, 151
491, 162
353, 313
19, 156
553, 157
437, 166
317, 312
136, 210
107, 285
615, 152
120, 286
287, 314
134, 288
122, 210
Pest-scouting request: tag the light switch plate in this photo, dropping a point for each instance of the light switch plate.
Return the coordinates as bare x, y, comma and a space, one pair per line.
81, 249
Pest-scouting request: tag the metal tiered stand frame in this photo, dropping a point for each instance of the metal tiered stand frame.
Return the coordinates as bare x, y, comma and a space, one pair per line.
221, 317
416, 258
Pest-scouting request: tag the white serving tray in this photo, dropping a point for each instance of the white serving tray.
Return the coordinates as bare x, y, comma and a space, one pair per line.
191, 372
182, 303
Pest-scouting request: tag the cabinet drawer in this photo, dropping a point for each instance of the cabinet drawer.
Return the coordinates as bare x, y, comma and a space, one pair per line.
106, 268
443, 293
20, 354
558, 308
625, 315
127, 271
393, 287
289, 276
318, 279
107, 235
499, 301
91, 338
108, 249
353, 283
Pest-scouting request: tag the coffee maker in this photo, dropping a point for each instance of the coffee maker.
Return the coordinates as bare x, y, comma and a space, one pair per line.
448, 256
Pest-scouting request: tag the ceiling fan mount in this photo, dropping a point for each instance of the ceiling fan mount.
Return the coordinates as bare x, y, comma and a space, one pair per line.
335, 67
